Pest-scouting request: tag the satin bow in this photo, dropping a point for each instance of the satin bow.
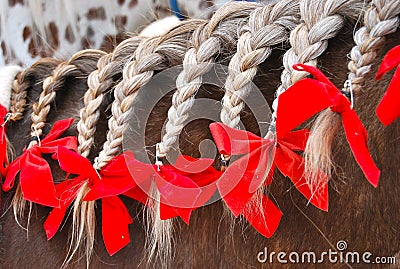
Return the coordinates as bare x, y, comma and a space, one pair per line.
35, 175
243, 177
111, 181
389, 108
309, 96
183, 187
3, 141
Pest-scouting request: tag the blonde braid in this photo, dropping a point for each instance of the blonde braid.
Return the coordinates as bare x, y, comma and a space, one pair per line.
220, 32
99, 82
151, 55
23, 81
268, 26
321, 21
18, 97
7, 77
379, 20
81, 62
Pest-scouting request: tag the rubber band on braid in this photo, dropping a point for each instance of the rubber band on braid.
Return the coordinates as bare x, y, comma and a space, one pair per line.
80, 63
380, 19
152, 55
219, 34
99, 82
268, 26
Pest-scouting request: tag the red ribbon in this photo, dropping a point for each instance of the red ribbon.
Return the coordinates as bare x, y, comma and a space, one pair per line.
291, 164
243, 177
3, 146
388, 109
183, 187
308, 97
3, 141
35, 175
113, 180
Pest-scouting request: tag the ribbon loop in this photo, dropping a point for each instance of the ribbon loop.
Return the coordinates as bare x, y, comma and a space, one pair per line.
301, 97
388, 109
35, 174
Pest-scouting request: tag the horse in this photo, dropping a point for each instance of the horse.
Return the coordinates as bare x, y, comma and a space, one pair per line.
96, 88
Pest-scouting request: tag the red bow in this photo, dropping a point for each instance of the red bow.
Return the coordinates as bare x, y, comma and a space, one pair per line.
308, 97
389, 108
113, 180
243, 177
3, 141
183, 187
35, 175
292, 165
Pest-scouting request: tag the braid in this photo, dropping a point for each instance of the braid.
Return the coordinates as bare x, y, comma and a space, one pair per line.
207, 43
109, 67
7, 76
267, 27
23, 82
99, 82
321, 21
151, 55
18, 97
379, 20
81, 62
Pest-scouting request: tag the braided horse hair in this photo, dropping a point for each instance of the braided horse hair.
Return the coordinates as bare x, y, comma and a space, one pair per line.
254, 40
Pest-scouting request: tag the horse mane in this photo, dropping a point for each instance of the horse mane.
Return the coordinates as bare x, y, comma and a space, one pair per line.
100, 90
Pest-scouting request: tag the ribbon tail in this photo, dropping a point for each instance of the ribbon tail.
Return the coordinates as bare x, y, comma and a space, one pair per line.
169, 212
115, 223
67, 191
357, 138
390, 61
37, 182
53, 221
388, 109
291, 165
234, 184
263, 215
13, 169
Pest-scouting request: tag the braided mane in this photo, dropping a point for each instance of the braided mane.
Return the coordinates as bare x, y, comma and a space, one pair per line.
249, 37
